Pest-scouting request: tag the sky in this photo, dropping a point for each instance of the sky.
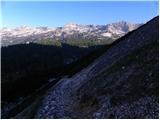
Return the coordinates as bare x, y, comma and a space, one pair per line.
57, 14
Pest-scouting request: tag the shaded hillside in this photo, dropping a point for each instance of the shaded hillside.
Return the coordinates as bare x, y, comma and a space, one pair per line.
33, 66
122, 83
26, 67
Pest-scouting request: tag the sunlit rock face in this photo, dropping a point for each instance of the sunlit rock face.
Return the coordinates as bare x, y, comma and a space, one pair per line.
26, 34
122, 83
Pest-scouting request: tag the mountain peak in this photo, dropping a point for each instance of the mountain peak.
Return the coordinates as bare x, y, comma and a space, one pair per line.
71, 24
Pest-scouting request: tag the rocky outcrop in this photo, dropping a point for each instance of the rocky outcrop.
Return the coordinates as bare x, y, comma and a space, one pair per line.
122, 83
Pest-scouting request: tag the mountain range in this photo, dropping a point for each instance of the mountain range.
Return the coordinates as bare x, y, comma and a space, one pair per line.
26, 34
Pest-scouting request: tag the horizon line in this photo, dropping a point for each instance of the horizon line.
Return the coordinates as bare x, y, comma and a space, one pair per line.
32, 26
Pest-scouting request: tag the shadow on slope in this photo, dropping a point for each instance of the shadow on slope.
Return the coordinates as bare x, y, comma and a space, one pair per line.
132, 77
26, 67
128, 88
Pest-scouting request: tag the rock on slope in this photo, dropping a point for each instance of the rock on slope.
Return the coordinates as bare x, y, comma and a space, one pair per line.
122, 83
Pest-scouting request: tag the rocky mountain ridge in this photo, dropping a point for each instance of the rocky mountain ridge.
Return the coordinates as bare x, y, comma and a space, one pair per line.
25, 34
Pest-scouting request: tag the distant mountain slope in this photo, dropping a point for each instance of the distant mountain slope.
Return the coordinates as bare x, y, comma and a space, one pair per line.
27, 34
122, 83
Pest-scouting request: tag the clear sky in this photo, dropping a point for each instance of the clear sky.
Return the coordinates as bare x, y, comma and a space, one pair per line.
55, 14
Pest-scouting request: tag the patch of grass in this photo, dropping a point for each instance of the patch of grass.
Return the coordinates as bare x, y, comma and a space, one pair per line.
76, 42
86, 106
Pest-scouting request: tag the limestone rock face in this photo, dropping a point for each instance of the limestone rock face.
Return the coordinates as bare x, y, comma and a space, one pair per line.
26, 34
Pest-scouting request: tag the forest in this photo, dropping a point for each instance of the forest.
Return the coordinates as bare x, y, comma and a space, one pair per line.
26, 67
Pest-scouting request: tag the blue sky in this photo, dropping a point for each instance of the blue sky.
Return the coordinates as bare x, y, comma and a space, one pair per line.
54, 14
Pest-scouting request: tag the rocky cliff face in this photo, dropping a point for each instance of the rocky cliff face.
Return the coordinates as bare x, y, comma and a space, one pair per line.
122, 83
27, 34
